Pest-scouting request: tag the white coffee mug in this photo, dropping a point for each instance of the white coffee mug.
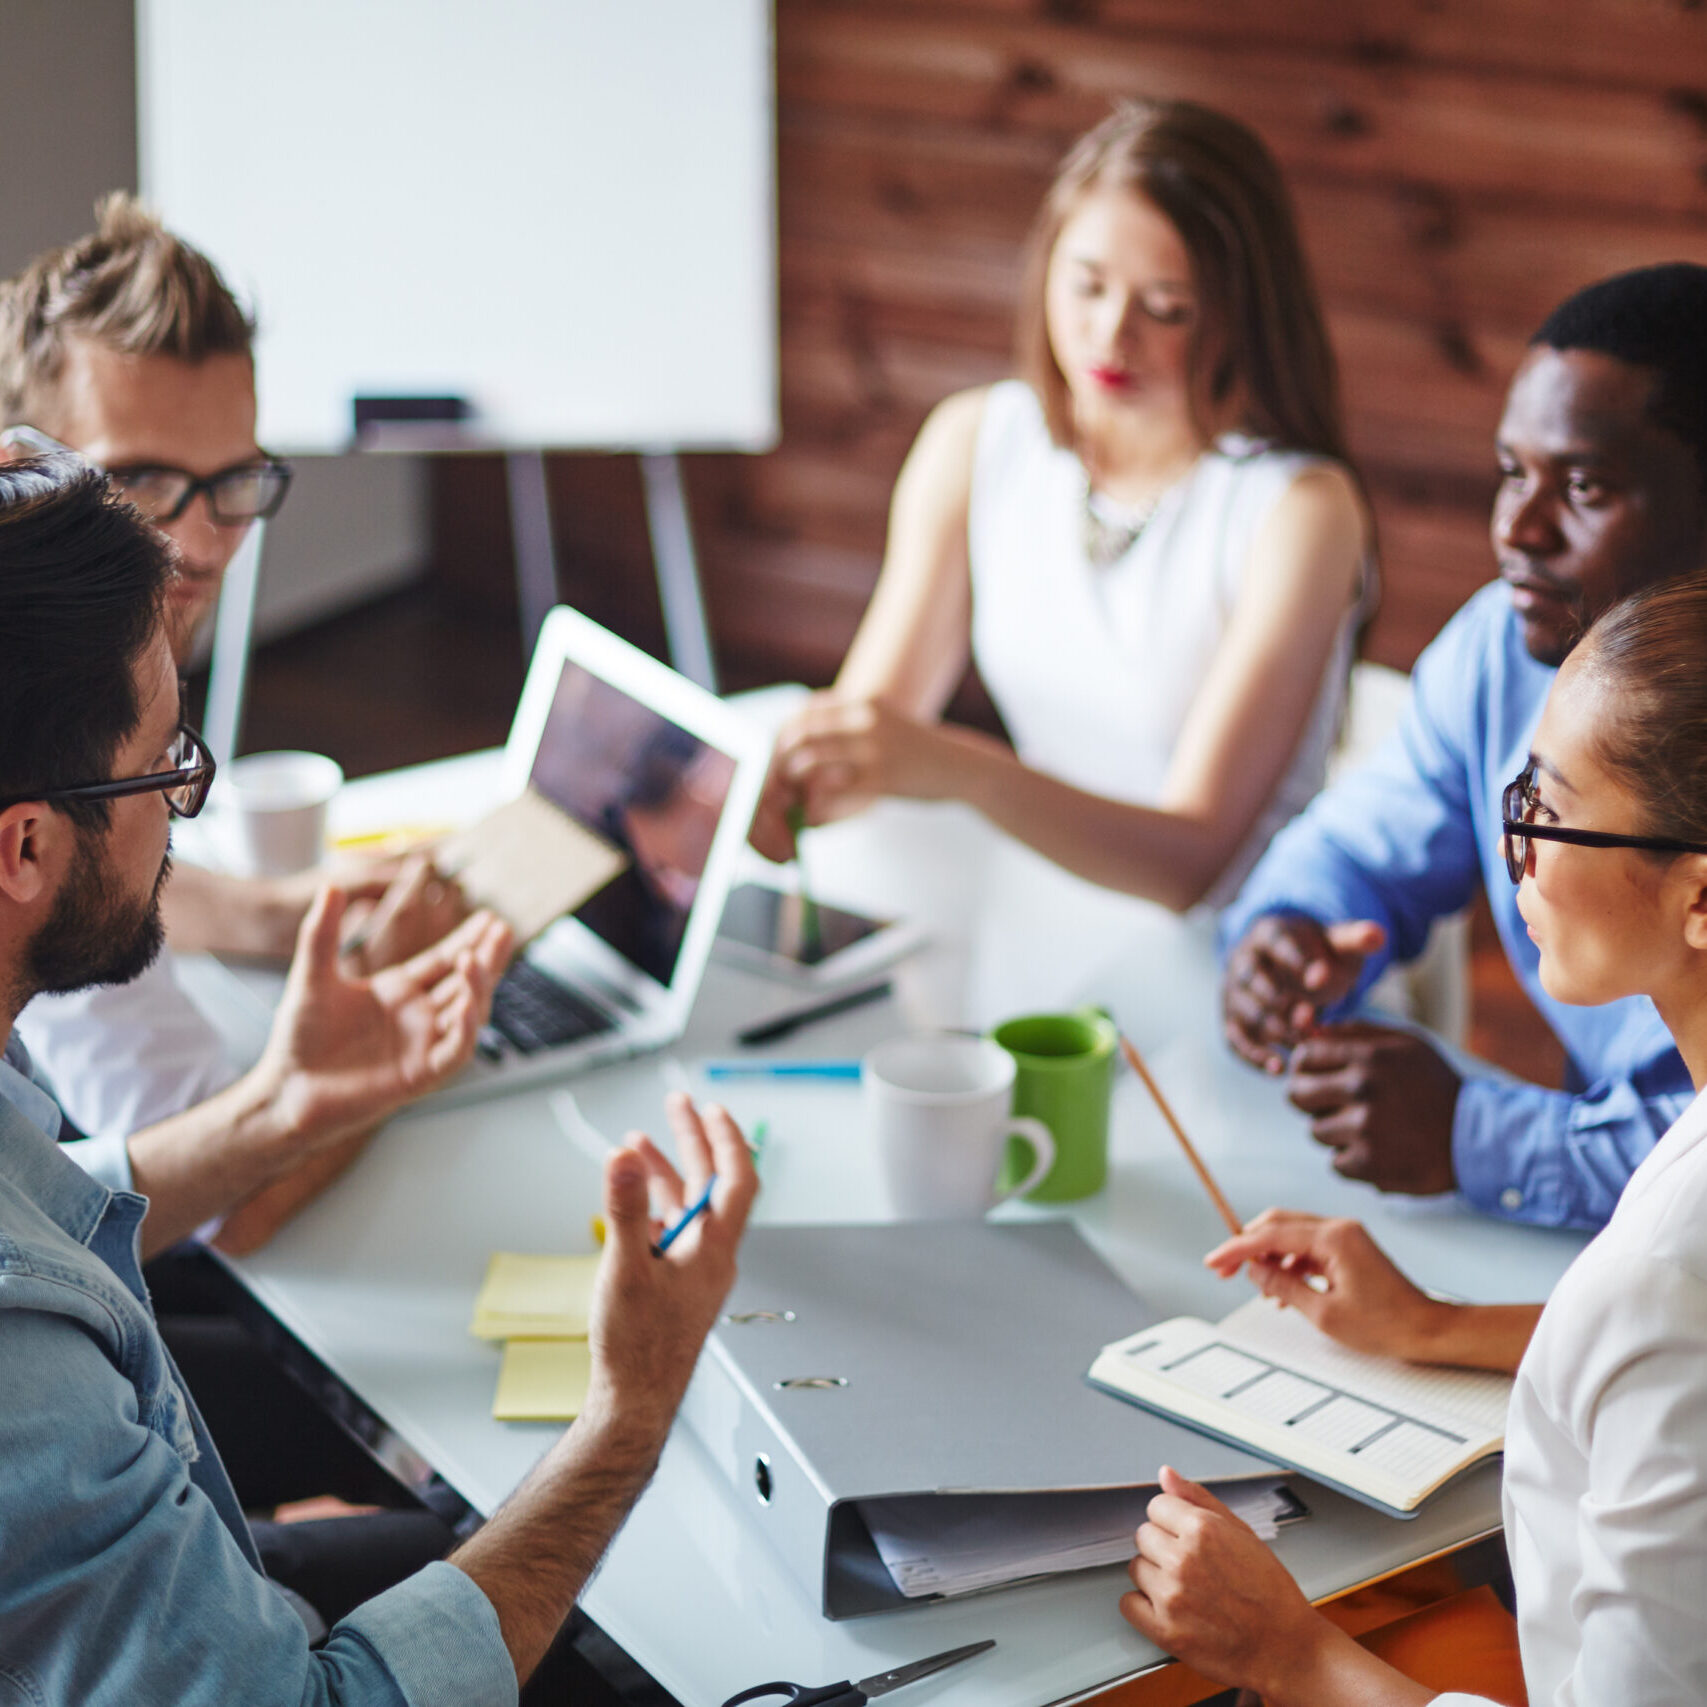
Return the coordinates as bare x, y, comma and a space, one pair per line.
937, 1107
273, 810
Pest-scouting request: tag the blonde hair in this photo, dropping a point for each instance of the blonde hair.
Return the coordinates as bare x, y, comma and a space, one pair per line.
130, 286
1260, 335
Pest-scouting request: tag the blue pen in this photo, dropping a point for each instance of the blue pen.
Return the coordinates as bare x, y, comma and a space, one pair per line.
674, 1232
781, 1069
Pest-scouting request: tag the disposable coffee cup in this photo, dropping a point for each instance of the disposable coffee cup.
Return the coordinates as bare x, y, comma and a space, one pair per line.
274, 809
937, 1109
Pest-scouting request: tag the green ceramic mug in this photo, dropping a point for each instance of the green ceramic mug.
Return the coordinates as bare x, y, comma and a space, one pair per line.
1065, 1078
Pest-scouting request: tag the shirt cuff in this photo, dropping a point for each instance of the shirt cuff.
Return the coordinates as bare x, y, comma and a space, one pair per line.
105, 1159
438, 1636
1504, 1156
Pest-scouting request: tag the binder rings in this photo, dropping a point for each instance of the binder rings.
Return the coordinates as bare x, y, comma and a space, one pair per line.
940, 1358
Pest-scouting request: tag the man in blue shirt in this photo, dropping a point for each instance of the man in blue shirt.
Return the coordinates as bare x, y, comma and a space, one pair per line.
127, 1573
1603, 489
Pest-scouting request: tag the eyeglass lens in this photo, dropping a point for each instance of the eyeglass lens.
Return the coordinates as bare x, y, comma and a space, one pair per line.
1516, 807
189, 754
238, 495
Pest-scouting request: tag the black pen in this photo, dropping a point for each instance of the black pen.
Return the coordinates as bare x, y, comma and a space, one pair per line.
785, 1025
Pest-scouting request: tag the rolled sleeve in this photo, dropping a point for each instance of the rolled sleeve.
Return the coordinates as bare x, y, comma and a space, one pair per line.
438, 1636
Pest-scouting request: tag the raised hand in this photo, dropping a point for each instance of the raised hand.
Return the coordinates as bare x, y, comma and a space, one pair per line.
1281, 975
347, 1051
651, 1314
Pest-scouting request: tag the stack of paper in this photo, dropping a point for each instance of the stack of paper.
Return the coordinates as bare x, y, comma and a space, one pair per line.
538, 1306
938, 1544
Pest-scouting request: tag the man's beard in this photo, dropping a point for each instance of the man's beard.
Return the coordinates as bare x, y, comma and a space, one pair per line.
92, 936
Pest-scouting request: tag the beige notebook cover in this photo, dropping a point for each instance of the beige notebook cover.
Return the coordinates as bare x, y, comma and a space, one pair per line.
1388, 1432
530, 862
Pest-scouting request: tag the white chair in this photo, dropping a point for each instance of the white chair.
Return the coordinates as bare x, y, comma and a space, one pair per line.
1434, 989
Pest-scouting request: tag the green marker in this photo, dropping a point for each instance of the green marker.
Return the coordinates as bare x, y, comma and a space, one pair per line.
811, 925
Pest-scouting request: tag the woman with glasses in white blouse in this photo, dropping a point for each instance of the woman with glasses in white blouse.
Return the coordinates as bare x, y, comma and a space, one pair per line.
1606, 1441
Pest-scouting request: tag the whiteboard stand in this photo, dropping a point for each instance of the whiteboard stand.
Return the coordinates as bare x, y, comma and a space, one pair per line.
530, 530
671, 528
233, 633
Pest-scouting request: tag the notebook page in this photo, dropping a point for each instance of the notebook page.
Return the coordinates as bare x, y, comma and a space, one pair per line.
1470, 1402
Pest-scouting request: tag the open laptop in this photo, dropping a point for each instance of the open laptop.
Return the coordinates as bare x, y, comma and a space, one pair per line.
670, 775
654, 765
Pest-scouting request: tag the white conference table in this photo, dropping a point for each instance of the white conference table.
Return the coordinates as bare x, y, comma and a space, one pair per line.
377, 1279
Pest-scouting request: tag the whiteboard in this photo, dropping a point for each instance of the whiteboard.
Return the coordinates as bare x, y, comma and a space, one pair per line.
560, 210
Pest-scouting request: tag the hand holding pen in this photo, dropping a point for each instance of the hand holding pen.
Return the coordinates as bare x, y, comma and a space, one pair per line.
651, 1313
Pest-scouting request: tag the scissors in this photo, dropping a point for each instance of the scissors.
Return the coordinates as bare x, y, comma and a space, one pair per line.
847, 1694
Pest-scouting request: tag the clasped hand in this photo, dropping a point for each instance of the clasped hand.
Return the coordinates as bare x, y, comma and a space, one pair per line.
1382, 1099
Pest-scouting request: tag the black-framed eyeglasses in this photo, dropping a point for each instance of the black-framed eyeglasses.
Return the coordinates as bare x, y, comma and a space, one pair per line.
185, 784
1517, 810
244, 492
248, 491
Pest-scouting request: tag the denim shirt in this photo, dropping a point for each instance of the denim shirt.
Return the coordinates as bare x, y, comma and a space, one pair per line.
127, 1573
1406, 839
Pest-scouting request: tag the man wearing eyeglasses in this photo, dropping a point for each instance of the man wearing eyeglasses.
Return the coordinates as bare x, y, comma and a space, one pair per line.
127, 347
127, 1570
1603, 490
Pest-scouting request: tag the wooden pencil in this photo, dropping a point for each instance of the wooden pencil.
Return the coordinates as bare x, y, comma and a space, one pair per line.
1136, 1062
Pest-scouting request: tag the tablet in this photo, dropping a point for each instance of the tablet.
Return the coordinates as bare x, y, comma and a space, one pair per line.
770, 930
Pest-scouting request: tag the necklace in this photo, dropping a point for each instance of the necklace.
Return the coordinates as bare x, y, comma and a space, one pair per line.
1110, 531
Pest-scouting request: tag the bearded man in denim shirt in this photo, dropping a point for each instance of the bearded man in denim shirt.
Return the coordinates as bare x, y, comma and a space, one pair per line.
127, 1573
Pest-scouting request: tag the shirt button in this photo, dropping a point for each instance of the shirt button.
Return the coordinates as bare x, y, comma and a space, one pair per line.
1511, 1198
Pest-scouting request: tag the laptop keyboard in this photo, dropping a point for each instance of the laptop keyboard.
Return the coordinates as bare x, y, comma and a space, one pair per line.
532, 1011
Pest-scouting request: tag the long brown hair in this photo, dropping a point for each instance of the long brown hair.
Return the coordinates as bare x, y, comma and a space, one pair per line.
1260, 334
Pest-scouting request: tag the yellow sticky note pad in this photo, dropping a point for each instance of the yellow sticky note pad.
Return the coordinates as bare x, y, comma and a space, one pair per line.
543, 1381
534, 1297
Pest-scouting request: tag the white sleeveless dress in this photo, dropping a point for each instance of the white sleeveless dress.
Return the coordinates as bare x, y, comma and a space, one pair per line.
1094, 670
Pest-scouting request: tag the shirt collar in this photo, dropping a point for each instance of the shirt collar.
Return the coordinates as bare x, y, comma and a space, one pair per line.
31, 1160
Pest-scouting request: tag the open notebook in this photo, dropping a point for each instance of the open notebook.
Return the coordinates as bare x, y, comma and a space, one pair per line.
1386, 1432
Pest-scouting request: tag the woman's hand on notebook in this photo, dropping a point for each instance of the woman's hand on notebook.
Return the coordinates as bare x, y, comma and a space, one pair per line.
1331, 1271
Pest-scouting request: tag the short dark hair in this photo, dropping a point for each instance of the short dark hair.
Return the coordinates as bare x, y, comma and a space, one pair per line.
82, 579
1654, 318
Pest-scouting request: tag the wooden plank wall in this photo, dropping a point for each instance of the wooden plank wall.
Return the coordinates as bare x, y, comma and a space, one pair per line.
1459, 166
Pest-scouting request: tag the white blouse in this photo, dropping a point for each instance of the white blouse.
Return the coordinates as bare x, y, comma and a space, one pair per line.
1095, 670
1606, 1453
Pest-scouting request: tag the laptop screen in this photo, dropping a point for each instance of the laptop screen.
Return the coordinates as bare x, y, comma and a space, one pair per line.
650, 787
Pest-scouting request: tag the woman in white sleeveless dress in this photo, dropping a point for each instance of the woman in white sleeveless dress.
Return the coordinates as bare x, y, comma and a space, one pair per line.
1150, 543
1606, 1436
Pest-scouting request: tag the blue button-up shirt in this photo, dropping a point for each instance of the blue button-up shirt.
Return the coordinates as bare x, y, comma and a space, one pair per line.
127, 1573
1405, 840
